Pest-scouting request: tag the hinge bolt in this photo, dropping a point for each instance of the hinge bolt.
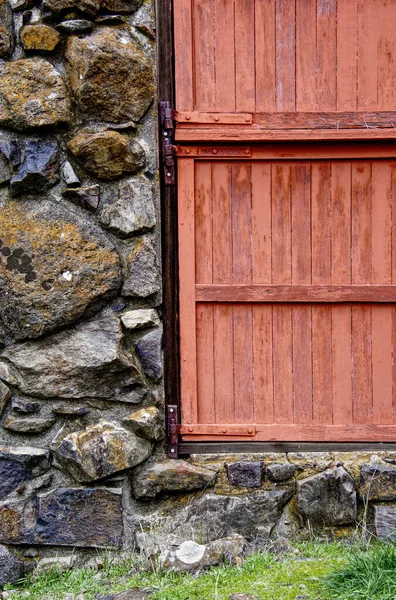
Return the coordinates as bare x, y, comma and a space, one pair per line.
173, 450
171, 410
169, 174
165, 134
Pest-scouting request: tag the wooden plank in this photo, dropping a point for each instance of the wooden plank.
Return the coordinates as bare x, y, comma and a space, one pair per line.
326, 73
205, 364
305, 56
222, 273
225, 55
236, 133
281, 224
203, 223
245, 90
302, 364
381, 187
183, 40
187, 306
204, 55
242, 273
313, 433
265, 55
346, 55
282, 364
199, 117
341, 274
285, 37
367, 55
296, 293
262, 364
362, 365
386, 53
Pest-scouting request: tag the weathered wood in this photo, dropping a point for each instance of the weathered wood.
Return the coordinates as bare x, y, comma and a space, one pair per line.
242, 134
295, 293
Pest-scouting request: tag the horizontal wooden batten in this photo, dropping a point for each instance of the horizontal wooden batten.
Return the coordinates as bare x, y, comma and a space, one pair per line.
213, 118
300, 433
257, 133
295, 293
291, 151
224, 430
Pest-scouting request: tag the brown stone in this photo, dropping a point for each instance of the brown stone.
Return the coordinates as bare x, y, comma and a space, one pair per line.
107, 155
32, 94
122, 6
171, 476
378, 482
53, 265
147, 422
110, 76
28, 424
6, 30
90, 7
39, 37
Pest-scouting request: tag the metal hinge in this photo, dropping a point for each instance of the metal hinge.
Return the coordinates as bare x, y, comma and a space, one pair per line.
173, 430
167, 115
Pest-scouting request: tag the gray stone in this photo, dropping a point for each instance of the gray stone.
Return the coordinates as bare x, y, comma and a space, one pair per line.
110, 76
246, 473
378, 482
12, 151
142, 278
87, 360
90, 7
101, 450
122, 6
28, 424
385, 523
5, 395
146, 28
133, 211
11, 566
87, 197
54, 266
192, 557
80, 517
107, 155
328, 498
171, 476
21, 4
32, 94
23, 406
72, 26
69, 175
132, 594
6, 30
280, 472
60, 564
147, 422
110, 20
5, 169
39, 170
18, 465
140, 318
149, 351
70, 411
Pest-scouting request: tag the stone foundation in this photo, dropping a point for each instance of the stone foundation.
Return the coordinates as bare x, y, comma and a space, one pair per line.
82, 462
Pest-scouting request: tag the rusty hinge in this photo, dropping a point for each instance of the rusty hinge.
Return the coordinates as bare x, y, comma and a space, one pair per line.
173, 430
167, 136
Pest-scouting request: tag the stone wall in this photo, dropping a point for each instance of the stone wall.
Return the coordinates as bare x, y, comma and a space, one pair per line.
82, 461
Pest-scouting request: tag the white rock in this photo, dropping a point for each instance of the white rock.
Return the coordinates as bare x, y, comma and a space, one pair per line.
137, 319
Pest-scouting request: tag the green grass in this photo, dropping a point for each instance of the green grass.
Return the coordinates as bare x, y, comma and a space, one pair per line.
314, 570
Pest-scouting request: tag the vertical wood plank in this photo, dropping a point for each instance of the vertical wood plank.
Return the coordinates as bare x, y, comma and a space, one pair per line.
301, 273
321, 273
242, 273
203, 222
393, 221
204, 55
346, 55
326, 55
341, 274
183, 40
225, 55
245, 56
222, 273
285, 55
188, 361
306, 55
367, 55
381, 184
261, 273
265, 55
205, 364
281, 273
386, 54
361, 273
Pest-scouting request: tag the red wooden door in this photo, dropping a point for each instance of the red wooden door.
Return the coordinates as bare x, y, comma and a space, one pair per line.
287, 250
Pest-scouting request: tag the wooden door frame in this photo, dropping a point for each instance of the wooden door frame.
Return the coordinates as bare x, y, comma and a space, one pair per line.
170, 278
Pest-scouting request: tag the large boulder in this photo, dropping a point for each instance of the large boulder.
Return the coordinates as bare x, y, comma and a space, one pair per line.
54, 264
18, 465
111, 78
75, 517
87, 360
32, 94
11, 566
101, 450
378, 482
108, 154
171, 476
328, 498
